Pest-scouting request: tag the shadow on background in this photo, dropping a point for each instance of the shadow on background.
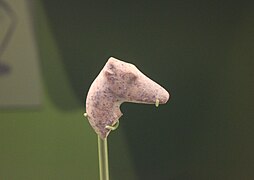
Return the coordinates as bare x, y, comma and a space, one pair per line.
201, 51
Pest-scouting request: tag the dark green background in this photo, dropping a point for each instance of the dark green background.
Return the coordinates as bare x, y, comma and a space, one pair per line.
201, 51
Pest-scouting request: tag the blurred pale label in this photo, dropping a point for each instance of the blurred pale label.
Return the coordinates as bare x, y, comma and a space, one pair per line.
19, 64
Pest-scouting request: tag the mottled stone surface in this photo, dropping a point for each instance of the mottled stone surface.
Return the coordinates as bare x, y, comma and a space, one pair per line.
119, 82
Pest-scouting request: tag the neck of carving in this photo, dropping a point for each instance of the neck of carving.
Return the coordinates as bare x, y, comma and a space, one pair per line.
114, 108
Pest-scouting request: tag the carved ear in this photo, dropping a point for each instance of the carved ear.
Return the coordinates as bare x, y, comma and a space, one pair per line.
109, 73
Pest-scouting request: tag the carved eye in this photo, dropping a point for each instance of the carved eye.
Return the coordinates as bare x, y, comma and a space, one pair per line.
129, 77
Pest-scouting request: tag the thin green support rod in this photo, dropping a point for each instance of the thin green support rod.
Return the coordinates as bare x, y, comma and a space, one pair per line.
103, 158
103, 153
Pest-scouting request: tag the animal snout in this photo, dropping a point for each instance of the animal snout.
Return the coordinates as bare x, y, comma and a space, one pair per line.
162, 97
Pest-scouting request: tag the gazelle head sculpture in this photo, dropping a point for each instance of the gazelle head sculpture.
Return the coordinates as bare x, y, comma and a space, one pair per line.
119, 82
